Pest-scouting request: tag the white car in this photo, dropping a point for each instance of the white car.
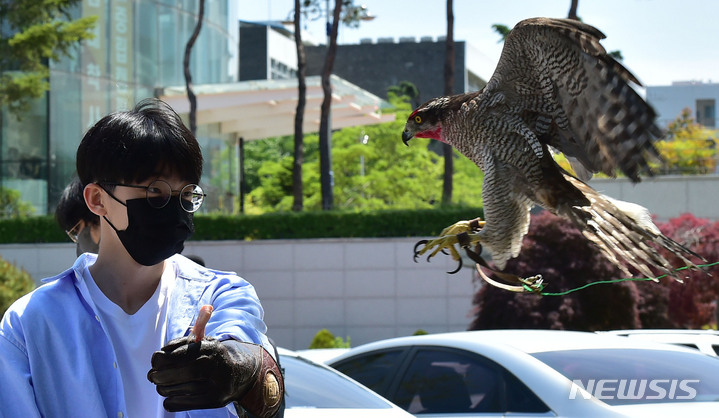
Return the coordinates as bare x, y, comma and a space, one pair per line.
317, 391
321, 355
536, 373
706, 341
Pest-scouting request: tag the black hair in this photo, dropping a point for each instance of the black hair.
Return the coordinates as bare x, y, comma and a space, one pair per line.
135, 145
72, 208
196, 258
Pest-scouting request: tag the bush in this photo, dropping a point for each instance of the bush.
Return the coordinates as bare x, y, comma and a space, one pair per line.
30, 230
14, 282
325, 339
285, 225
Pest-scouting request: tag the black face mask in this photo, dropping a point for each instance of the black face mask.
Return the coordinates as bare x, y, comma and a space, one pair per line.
153, 235
85, 243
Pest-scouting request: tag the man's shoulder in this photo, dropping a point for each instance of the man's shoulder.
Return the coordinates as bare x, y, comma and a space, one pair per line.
48, 302
188, 269
49, 291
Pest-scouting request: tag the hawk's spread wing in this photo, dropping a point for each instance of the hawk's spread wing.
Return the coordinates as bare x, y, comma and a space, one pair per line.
555, 75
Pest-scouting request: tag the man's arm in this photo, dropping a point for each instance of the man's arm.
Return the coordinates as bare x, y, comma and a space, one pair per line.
16, 393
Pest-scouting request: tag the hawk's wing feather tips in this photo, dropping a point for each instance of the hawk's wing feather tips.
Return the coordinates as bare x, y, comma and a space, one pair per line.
623, 231
623, 72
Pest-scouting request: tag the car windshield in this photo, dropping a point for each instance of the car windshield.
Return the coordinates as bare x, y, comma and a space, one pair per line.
308, 385
634, 376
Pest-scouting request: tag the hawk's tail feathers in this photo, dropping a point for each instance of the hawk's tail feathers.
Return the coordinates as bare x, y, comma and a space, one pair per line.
623, 231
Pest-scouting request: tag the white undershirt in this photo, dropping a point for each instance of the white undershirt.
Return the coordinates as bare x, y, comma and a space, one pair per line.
134, 338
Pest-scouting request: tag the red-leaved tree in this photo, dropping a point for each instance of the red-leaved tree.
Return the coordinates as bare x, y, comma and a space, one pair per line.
566, 260
693, 303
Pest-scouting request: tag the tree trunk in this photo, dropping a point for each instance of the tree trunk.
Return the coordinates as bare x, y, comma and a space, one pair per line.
186, 67
573, 10
448, 90
297, 203
325, 128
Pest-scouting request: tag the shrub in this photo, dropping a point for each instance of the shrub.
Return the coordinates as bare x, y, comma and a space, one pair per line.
325, 339
278, 225
14, 282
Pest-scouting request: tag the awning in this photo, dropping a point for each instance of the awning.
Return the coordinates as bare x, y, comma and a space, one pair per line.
266, 108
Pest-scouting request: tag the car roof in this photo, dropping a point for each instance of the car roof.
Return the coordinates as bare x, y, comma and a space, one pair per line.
706, 341
527, 341
321, 355
664, 331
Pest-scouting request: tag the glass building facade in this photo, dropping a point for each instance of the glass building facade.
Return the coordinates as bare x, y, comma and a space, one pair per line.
138, 47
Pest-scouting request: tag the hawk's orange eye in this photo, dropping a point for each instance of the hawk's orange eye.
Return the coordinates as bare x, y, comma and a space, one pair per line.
418, 119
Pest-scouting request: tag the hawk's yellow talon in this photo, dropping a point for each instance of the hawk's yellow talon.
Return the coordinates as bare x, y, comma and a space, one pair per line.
448, 239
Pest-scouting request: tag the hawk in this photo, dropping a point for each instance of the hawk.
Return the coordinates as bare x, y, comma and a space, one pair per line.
554, 89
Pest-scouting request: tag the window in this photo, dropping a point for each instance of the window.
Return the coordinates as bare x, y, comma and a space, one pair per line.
698, 372
308, 385
373, 370
706, 112
441, 380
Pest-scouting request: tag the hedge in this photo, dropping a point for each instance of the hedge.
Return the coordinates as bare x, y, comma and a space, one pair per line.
289, 225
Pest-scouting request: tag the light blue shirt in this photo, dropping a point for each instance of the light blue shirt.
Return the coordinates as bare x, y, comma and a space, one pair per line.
56, 359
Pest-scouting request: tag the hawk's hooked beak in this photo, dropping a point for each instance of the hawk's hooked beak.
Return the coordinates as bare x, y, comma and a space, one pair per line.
406, 136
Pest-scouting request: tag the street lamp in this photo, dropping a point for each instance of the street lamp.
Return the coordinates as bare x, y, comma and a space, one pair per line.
364, 139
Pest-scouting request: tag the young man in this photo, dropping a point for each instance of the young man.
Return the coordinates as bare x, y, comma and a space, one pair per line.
109, 337
81, 225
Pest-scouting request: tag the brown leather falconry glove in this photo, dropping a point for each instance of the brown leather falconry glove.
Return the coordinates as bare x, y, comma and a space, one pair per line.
211, 374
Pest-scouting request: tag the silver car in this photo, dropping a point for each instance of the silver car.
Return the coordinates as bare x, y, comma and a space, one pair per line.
317, 391
704, 340
533, 373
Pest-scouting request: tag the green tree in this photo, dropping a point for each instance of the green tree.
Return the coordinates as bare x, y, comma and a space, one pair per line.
448, 90
573, 10
186, 67
11, 206
299, 150
34, 32
347, 13
502, 30
690, 148
373, 170
405, 91
14, 282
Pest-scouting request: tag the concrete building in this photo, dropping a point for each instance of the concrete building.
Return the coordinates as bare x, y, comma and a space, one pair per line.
267, 51
375, 66
699, 97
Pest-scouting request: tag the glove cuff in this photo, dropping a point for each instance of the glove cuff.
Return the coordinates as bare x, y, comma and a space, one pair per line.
265, 394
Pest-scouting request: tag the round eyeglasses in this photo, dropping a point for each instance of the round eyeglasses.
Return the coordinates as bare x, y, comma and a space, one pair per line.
159, 193
75, 230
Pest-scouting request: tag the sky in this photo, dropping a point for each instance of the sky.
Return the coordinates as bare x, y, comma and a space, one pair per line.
662, 41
